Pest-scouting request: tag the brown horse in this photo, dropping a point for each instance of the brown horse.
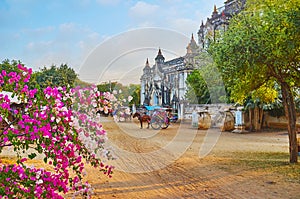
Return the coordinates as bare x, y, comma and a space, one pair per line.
142, 118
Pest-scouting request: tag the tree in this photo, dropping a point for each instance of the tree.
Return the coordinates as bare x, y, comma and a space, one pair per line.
205, 84
262, 46
197, 88
56, 76
134, 91
79, 82
122, 93
9, 66
108, 87
67, 134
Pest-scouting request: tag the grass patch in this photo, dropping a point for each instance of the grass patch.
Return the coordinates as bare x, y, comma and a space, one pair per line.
270, 162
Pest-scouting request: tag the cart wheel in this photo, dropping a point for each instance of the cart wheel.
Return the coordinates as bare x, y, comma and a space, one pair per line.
165, 124
156, 123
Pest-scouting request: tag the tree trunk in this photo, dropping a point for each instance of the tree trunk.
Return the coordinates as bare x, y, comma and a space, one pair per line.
290, 113
257, 118
251, 119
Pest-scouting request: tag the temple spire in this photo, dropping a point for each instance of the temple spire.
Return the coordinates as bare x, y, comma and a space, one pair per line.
147, 67
202, 24
215, 12
159, 58
192, 46
159, 52
193, 42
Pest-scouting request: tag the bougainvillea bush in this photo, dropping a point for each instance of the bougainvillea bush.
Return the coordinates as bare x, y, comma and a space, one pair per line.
55, 124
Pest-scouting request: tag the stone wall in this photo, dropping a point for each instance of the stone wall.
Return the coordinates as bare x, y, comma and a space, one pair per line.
278, 122
216, 111
218, 114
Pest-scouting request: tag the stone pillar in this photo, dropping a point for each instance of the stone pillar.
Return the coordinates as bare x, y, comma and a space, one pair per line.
239, 121
195, 119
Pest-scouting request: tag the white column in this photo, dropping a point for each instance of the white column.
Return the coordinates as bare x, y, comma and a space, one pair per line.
142, 94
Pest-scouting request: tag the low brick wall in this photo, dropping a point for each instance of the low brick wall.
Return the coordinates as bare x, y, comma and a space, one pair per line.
279, 122
215, 109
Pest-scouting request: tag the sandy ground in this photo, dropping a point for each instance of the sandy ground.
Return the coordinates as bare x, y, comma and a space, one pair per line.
182, 162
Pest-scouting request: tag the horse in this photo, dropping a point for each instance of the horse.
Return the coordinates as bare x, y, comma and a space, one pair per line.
142, 118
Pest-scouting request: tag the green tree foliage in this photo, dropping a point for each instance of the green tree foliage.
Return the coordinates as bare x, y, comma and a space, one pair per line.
197, 89
262, 46
205, 84
9, 66
122, 92
81, 83
56, 76
108, 86
134, 91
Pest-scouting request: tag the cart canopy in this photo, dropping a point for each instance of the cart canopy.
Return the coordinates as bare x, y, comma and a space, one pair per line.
152, 108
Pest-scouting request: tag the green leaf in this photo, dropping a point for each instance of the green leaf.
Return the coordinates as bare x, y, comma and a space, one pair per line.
32, 155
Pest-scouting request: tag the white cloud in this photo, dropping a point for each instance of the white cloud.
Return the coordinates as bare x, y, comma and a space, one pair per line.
71, 44
123, 56
67, 27
145, 24
93, 36
39, 46
180, 17
40, 30
88, 43
57, 42
143, 9
184, 25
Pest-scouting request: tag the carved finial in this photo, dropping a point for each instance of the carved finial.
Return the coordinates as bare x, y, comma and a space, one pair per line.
159, 51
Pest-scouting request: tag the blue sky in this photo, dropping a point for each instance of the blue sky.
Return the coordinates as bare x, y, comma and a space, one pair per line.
45, 32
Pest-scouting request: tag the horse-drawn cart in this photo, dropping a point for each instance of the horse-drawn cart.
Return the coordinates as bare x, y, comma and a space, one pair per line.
156, 116
160, 119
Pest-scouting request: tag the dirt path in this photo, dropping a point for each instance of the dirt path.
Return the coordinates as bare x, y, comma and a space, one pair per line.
166, 164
